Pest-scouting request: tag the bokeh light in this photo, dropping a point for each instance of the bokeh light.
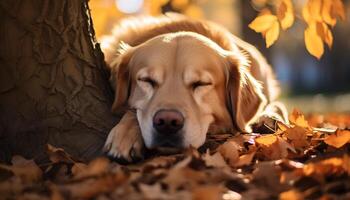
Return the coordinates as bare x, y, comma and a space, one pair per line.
129, 6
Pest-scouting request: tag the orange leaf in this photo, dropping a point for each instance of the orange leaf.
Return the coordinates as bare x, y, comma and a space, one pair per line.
313, 41
262, 23
207, 192
272, 34
266, 140
306, 14
315, 9
27, 170
339, 139
215, 160
326, 12
338, 9
179, 4
297, 118
245, 159
325, 33
229, 150
285, 14
326, 167
193, 11
298, 136
291, 195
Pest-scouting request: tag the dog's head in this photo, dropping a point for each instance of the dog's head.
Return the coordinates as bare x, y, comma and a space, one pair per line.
183, 85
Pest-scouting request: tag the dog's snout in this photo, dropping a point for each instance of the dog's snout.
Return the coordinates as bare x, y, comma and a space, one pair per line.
168, 121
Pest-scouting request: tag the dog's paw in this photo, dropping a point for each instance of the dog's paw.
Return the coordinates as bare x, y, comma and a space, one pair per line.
125, 144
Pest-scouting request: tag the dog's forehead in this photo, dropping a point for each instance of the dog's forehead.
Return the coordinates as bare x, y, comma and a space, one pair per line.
183, 51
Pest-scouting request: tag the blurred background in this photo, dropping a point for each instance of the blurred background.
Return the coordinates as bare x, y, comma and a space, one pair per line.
307, 83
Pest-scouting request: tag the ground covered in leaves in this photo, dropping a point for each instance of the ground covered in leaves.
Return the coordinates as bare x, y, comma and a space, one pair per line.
309, 158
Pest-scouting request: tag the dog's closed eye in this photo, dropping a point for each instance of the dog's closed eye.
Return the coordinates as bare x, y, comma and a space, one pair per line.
198, 84
149, 81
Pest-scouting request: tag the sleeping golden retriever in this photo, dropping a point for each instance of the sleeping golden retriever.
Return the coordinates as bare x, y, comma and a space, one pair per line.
178, 79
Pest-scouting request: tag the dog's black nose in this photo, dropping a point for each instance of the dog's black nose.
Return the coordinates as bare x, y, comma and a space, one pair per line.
168, 121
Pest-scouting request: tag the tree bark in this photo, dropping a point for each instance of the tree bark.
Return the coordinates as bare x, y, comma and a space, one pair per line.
53, 85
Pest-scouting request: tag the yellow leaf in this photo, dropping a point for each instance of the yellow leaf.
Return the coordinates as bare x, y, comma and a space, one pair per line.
154, 6
179, 4
313, 41
338, 9
265, 11
266, 140
285, 14
339, 139
326, 12
315, 9
297, 118
193, 11
306, 14
262, 23
325, 33
272, 34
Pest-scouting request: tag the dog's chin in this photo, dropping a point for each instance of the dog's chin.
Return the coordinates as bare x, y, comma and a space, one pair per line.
167, 144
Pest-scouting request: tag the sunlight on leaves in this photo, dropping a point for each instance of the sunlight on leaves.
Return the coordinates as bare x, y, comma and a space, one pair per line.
313, 41
319, 15
338, 139
285, 14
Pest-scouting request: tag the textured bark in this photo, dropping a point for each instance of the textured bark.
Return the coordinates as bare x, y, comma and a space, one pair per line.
53, 85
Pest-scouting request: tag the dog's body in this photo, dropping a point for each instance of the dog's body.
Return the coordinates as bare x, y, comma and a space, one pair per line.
179, 79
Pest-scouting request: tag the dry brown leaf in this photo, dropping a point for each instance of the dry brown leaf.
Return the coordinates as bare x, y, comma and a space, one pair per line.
267, 174
285, 14
291, 195
90, 188
55, 193
298, 136
57, 155
27, 170
274, 147
95, 168
266, 140
245, 159
313, 41
183, 177
229, 151
153, 191
338, 139
208, 192
161, 161
215, 160
297, 118
331, 166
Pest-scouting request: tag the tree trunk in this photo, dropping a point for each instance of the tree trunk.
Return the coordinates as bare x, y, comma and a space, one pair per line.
53, 85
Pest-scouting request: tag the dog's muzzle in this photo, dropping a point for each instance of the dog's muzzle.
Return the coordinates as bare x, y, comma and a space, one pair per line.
168, 126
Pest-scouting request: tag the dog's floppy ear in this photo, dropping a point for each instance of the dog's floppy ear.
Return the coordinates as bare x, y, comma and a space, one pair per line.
245, 96
120, 77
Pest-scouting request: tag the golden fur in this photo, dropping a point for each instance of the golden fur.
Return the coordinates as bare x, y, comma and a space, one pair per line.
235, 102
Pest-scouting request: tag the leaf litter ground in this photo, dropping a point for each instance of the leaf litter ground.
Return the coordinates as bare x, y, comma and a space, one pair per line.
307, 158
